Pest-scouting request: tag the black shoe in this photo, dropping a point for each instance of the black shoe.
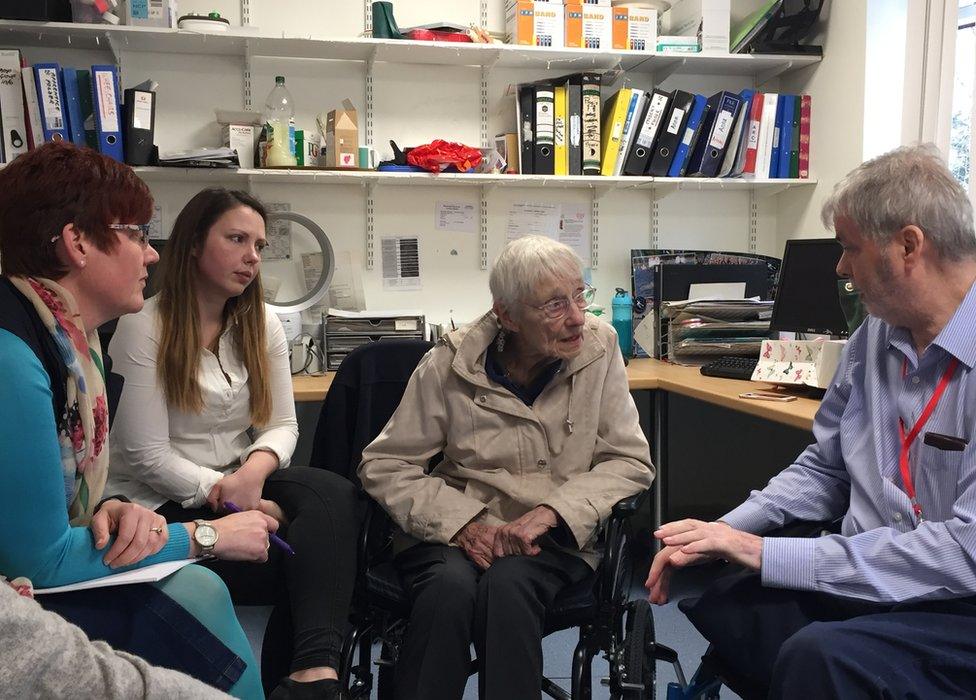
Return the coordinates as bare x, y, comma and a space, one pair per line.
288, 689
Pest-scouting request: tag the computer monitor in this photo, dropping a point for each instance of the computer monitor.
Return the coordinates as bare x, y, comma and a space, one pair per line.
807, 299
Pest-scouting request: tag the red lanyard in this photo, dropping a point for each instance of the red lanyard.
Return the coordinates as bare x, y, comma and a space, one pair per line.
907, 440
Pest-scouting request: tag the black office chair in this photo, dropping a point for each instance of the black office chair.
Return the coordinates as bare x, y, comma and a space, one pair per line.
359, 403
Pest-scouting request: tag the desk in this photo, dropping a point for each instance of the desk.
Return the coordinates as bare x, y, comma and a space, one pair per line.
710, 446
655, 375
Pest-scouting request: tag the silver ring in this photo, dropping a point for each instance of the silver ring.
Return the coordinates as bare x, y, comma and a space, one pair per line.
157, 530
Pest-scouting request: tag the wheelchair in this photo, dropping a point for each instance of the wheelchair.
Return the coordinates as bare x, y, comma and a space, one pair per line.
363, 396
622, 630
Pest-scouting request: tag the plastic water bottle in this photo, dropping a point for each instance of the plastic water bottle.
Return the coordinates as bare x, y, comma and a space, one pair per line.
279, 122
623, 321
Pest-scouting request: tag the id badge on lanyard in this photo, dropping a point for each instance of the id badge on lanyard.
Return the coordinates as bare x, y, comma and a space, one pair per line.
906, 440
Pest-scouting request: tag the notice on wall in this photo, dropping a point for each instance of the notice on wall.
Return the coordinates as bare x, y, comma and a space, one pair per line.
456, 216
566, 223
400, 256
279, 235
156, 231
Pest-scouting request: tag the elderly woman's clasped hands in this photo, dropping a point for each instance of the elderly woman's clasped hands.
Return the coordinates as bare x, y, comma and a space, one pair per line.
484, 543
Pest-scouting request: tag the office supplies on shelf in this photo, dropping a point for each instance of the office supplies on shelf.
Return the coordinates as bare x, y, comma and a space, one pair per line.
682, 153
273, 538
803, 168
748, 169
105, 101
731, 367
561, 157
735, 154
591, 123
12, 105
638, 100
50, 100
544, 129
767, 134
789, 24
72, 103
139, 112
525, 120
35, 132
201, 158
210, 23
535, 23
746, 30
614, 119
574, 124
671, 134
158, 13
786, 135
640, 155
716, 132
794, 166
708, 19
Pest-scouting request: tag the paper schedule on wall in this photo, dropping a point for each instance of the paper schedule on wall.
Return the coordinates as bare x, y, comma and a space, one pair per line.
279, 235
401, 263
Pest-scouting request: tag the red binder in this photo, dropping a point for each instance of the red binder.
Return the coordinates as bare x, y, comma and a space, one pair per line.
805, 136
752, 145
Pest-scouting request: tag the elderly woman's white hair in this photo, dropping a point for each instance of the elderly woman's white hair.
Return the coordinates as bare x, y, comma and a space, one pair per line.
526, 262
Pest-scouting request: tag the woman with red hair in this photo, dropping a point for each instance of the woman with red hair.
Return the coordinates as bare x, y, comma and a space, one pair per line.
74, 254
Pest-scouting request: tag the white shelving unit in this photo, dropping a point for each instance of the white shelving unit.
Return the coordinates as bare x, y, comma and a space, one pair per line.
251, 45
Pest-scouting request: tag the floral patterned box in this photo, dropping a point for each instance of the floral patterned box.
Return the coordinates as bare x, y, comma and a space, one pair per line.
810, 362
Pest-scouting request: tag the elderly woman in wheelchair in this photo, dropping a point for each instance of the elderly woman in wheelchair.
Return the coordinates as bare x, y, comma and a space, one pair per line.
530, 409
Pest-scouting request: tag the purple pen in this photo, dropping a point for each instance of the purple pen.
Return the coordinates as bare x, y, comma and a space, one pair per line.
271, 536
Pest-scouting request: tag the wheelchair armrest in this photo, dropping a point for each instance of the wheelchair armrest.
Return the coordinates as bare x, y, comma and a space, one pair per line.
626, 507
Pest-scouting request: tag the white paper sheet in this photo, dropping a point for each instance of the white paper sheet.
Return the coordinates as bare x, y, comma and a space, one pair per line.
401, 263
456, 216
279, 235
146, 574
567, 223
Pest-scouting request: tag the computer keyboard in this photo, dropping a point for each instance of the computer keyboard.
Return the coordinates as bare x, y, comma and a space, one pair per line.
731, 367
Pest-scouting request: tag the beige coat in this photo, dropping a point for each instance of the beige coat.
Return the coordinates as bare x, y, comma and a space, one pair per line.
578, 449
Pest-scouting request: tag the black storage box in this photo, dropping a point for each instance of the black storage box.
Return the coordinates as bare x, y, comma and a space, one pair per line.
40, 10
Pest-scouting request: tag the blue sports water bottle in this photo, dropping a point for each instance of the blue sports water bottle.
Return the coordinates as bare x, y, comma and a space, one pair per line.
623, 321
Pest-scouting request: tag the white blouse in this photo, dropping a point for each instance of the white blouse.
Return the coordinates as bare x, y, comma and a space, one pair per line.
159, 453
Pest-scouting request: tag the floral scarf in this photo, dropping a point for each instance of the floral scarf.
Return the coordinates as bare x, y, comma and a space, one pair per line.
83, 422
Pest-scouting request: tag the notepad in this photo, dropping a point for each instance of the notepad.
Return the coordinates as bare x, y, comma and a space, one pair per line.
146, 574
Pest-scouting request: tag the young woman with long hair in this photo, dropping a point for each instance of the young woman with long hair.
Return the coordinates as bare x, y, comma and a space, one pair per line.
207, 419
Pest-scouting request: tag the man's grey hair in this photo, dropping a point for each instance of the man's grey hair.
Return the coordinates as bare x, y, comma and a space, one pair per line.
907, 186
527, 261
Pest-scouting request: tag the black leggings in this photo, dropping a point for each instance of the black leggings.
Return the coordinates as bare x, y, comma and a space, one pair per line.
310, 591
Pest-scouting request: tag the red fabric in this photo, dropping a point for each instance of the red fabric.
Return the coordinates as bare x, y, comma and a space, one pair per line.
438, 155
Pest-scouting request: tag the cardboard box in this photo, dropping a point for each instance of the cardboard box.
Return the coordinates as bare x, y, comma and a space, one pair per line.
306, 148
242, 138
507, 146
685, 16
535, 24
590, 27
810, 362
342, 137
638, 32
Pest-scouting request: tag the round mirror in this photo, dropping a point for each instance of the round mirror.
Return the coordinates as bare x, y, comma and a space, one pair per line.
297, 265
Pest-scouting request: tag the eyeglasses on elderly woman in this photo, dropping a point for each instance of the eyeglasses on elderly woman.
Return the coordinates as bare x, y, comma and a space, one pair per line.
557, 308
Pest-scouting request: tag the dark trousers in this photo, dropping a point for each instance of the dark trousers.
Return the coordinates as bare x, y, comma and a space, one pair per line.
501, 610
311, 591
777, 643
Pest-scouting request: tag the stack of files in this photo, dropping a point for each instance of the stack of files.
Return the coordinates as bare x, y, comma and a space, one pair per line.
558, 125
201, 158
698, 331
347, 330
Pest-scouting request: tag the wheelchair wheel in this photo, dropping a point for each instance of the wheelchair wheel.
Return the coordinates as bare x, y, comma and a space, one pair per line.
639, 665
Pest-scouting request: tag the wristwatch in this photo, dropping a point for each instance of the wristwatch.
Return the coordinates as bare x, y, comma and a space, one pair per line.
206, 536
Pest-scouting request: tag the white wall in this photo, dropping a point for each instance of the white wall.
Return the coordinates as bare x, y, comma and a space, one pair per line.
415, 104
837, 86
